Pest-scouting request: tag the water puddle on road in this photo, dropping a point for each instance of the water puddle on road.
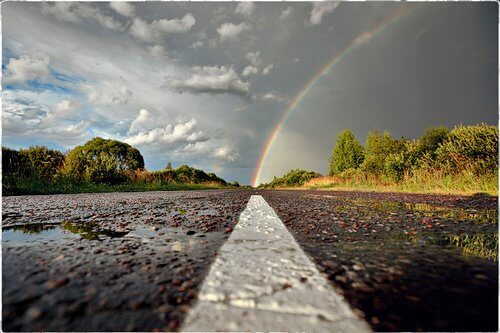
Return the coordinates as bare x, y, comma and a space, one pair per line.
162, 238
404, 225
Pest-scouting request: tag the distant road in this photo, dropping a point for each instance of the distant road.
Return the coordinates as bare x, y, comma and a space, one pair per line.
136, 261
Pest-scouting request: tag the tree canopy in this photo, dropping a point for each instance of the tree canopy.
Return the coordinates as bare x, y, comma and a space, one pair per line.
348, 153
103, 161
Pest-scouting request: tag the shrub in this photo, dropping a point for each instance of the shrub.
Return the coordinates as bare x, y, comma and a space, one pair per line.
35, 162
378, 147
41, 163
295, 177
103, 161
432, 139
348, 153
470, 147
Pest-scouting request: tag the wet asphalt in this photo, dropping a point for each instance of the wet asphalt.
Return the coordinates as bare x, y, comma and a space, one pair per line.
135, 261
404, 262
110, 262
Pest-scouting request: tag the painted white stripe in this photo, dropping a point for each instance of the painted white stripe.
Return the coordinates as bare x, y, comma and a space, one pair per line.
263, 281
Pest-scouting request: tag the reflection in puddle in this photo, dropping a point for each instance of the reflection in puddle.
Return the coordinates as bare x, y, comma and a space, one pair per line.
39, 231
34, 232
484, 246
471, 231
481, 245
91, 231
160, 238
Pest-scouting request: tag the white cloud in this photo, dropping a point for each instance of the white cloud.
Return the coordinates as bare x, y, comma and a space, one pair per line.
27, 68
320, 9
286, 13
250, 70
212, 80
138, 123
183, 132
65, 107
158, 51
65, 133
23, 116
76, 12
267, 69
245, 8
155, 31
123, 8
230, 31
61, 111
107, 93
254, 58
226, 153
270, 97
196, 44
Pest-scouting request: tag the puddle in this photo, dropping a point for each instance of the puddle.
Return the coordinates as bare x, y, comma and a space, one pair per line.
471, 232
483, 246
38, 232
91, 231
161, 238
66, 230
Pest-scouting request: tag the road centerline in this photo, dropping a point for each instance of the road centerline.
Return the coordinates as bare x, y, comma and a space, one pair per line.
262, 280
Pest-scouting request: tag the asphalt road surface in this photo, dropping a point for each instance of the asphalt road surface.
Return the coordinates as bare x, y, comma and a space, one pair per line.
136, 261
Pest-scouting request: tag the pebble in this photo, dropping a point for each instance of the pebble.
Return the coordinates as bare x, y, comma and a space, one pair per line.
56, 283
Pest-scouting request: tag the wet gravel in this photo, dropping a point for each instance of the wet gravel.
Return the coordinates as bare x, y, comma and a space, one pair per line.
110, 262
404, 262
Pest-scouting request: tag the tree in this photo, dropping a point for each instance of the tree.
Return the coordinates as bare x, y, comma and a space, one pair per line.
103, 161
169, 166
295, 177
378, 147
348, 153
430, 141
41, 162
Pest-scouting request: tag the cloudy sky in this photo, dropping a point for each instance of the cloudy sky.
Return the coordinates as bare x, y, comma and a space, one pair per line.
207, 83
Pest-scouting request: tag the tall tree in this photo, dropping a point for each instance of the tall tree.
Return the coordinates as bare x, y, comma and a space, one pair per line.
348, 153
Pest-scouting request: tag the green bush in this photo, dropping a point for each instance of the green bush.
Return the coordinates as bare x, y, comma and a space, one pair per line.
470, 147
348, 153
378, 147
430, 142
41, 163
103, 161
295, 177
33, 163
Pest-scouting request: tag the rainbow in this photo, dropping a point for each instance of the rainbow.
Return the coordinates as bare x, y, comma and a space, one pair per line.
358, 41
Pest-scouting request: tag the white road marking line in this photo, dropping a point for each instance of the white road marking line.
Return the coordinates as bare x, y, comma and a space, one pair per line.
256, 283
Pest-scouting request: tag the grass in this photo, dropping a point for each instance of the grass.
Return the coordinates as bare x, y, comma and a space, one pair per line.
26, 187
465, 183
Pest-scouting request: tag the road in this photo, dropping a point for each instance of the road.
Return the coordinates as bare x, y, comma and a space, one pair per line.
137, 261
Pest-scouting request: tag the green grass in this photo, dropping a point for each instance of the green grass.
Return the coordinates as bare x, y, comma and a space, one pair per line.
26, 187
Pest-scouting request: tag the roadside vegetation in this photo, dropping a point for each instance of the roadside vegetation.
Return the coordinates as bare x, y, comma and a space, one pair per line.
99, 165
292, 178
461, 160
